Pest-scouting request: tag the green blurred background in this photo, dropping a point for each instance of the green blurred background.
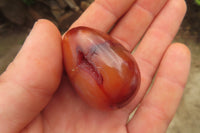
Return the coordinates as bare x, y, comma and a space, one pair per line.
18, 16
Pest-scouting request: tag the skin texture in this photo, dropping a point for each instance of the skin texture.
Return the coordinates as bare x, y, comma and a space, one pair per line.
35, 94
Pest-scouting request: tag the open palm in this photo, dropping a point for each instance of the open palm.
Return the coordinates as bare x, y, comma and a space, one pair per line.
36, 96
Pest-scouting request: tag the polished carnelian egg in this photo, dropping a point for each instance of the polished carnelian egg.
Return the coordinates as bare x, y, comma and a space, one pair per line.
101, 70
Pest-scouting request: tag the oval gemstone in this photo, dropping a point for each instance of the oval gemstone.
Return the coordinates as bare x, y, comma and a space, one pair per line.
101, 70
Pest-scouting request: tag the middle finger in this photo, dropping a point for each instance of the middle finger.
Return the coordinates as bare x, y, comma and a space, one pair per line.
135, 22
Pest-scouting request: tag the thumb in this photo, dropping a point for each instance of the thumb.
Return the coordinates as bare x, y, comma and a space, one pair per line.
31, 79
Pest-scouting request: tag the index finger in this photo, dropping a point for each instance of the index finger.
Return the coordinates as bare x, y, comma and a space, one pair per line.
103, 14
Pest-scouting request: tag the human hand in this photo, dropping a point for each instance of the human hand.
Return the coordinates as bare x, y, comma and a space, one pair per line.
36, 97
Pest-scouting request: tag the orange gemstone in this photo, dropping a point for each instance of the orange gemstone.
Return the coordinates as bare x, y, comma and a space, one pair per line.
101, 70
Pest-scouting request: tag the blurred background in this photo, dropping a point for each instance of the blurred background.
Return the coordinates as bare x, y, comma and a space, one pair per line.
18, 16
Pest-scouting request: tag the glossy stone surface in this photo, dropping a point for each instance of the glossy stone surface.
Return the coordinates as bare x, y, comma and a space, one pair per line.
101, 70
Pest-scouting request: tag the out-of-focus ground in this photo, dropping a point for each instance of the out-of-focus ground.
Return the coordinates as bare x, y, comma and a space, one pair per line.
9, 46
187, 118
